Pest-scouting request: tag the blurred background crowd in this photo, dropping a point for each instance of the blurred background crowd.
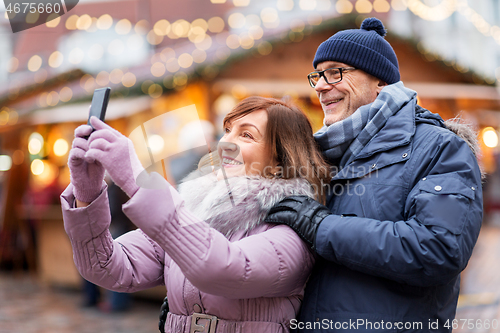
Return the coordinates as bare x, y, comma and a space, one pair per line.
175, 68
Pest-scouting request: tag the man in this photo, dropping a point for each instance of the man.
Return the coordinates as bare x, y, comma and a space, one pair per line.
405, 202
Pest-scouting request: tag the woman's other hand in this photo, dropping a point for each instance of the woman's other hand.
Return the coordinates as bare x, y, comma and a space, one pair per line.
86, 177
116, 153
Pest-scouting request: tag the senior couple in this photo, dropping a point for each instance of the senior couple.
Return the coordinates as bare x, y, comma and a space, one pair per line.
236, 246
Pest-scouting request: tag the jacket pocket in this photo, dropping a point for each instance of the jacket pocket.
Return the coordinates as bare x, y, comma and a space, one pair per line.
444, 201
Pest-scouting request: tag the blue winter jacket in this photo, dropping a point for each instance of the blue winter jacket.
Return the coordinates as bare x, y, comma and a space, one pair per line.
406, 215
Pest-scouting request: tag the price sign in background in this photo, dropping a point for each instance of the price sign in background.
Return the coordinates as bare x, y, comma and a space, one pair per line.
26, 14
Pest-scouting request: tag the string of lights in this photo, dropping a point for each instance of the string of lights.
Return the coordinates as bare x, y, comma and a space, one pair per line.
204, 33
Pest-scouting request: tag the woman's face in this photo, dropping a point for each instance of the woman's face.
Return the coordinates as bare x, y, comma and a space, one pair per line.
243, 149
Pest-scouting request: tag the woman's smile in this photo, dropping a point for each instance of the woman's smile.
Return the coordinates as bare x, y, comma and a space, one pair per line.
230, 162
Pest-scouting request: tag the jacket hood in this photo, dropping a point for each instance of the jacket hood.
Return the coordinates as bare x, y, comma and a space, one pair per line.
466, 132
463, 130
238, 203
456, 125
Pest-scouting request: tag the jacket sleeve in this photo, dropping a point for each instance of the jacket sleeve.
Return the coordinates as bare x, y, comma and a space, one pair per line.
435, 241
270, 264
130, 263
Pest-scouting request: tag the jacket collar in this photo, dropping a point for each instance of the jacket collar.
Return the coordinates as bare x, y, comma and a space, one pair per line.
393, 140
236, 204
397, 132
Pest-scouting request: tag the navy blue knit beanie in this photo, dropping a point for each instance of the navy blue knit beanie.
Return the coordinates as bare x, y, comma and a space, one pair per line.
364, 48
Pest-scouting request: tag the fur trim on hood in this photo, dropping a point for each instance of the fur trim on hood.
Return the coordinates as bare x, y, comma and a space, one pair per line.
468, 134
463, 130
238, 203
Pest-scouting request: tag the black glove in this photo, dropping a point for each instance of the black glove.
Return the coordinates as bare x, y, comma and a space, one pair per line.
303, 214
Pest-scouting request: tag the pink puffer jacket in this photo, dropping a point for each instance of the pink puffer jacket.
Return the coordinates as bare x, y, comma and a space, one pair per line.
251, 282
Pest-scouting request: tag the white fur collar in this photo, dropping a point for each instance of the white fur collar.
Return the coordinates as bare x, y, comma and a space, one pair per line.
238, 203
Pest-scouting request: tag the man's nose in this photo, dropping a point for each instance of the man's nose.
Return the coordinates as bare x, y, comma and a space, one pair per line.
322, 85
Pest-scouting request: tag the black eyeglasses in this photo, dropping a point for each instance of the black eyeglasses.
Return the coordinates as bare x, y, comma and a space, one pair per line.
331, 75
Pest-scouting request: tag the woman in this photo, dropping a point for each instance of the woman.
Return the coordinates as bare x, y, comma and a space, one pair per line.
223, 267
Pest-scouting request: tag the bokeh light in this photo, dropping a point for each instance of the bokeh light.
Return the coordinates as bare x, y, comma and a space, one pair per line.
381, 6
102, 78
153, 38
52, 98
185, 60
18, 157
83, 22
71, 22
35, 143
53, 20
363, 6
65, 94
236, 20
5, 162
490, 137
116, 76
241, 3
56, 59
180, 28
61, 147
4, 117
34, 63
156, 143
162, 27
37, 167
104, 22
123, 27
129, 80
155, 90
158, 69
216, 24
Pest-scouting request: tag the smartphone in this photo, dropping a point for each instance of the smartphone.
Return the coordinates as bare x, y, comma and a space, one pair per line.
99, 103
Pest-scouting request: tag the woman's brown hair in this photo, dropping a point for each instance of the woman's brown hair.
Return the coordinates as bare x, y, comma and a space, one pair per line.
290, 140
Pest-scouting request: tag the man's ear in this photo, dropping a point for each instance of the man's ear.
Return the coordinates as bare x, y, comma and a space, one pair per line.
381, 84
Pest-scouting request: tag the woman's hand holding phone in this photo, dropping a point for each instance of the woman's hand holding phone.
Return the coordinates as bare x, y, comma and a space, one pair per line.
116, 153
97, 147
86, 178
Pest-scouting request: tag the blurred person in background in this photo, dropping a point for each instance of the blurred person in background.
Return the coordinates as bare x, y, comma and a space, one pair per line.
224, 269
405, 202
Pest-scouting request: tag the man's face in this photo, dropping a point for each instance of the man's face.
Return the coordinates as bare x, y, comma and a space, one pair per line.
340, 100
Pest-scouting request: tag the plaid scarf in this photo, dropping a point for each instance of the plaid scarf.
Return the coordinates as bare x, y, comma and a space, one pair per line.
343, 140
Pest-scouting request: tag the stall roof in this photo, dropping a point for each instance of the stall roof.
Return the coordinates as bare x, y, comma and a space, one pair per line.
454, 91
117, 108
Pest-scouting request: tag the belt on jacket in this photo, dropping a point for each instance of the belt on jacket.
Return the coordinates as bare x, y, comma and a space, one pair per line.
203, 323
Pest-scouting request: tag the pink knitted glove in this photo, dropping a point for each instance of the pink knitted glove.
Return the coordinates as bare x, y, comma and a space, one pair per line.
116, 153
87, 178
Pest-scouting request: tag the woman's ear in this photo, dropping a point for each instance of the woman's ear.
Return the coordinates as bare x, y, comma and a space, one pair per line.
278, 170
